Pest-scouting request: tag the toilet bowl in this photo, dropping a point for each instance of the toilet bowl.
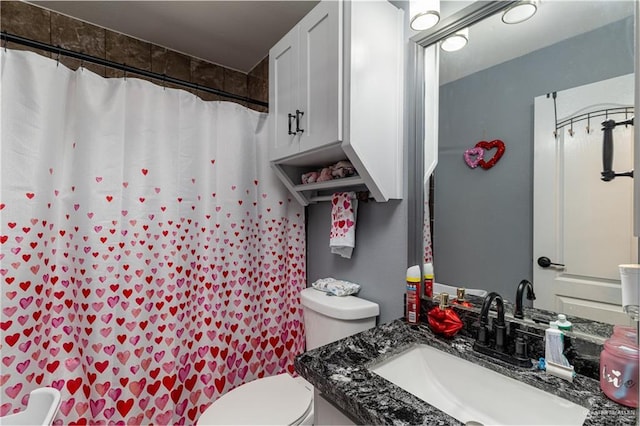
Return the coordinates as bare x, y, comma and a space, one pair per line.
283, 399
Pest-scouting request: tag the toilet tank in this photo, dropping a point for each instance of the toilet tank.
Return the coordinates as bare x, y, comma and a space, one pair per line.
330, 318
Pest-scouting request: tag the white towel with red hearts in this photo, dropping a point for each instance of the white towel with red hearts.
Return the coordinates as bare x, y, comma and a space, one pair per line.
344, 207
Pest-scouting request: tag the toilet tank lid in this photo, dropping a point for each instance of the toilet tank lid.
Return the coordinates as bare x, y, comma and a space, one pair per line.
346, 308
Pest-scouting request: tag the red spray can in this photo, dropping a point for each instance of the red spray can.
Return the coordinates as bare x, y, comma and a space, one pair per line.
413, 295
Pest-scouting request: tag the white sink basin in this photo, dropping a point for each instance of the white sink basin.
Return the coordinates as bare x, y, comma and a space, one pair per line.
472, 393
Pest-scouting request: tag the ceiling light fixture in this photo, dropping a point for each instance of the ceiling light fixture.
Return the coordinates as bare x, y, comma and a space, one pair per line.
424, 14
455, 41
520, 12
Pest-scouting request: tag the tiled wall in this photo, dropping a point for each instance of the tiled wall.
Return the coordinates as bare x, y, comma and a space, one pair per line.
33, 22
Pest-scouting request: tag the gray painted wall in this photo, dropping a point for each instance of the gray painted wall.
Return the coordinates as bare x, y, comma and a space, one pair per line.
379, 260
483, 231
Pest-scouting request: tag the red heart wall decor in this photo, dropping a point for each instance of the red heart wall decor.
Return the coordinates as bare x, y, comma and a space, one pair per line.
500, 148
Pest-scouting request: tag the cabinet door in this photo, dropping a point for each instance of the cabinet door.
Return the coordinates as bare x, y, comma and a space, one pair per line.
283, 96
321, 76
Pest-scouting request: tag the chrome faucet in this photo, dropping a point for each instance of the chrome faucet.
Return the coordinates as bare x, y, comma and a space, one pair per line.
524, 284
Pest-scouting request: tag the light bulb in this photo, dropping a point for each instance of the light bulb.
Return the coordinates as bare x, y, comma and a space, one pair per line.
424, 14
520, 12
455, 41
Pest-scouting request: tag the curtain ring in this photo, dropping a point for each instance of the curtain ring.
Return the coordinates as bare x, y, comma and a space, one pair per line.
58, 59
571, 132
5, 41
588, 123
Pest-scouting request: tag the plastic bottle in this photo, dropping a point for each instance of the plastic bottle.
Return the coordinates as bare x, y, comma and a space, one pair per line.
442, 319
619, 366
563, 324
413, 295
427, 272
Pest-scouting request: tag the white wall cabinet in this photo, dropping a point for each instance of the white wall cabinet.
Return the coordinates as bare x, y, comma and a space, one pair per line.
336, 93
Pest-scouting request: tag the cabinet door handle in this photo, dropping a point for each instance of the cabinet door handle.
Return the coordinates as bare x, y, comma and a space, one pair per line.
299, 114
291, 117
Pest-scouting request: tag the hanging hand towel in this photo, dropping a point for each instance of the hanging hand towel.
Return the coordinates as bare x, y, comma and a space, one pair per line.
344, 206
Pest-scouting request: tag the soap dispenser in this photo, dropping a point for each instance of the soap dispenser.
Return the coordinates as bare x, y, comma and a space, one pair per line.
460, 298
442, 319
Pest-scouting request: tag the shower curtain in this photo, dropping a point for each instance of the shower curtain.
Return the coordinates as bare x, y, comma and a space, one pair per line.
150, 262
427, 245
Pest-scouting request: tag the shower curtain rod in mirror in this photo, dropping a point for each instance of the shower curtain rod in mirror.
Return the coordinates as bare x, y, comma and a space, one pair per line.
12, 38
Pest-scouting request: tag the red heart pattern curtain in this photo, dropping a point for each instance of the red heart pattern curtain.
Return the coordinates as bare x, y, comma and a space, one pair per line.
150, 262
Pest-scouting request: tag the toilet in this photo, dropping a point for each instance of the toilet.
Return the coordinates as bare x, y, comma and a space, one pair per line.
284, 399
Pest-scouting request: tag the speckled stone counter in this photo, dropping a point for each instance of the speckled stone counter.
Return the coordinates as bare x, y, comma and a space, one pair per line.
340, 372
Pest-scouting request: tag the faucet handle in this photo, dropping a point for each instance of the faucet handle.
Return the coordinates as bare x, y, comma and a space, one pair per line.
521, 347
501, 337
522, 343
483, 335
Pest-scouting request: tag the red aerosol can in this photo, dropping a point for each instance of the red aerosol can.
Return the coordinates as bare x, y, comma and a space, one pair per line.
413, 295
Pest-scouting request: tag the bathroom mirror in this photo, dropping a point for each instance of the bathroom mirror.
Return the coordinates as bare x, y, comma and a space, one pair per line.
483, 219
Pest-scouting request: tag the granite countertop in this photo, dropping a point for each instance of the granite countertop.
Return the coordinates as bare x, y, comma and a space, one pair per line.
340, 372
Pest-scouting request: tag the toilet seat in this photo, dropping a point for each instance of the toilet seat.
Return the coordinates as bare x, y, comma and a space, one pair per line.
280, 400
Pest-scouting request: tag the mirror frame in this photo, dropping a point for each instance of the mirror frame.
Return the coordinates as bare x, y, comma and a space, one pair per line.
636, 165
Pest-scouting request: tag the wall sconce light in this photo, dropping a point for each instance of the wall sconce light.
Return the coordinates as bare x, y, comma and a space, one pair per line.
424, 14
455, 41
520, 12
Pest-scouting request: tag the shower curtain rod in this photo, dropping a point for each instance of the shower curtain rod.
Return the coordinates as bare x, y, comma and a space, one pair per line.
12, 38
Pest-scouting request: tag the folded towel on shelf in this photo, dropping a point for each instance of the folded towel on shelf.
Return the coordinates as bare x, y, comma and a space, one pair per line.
342, 240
